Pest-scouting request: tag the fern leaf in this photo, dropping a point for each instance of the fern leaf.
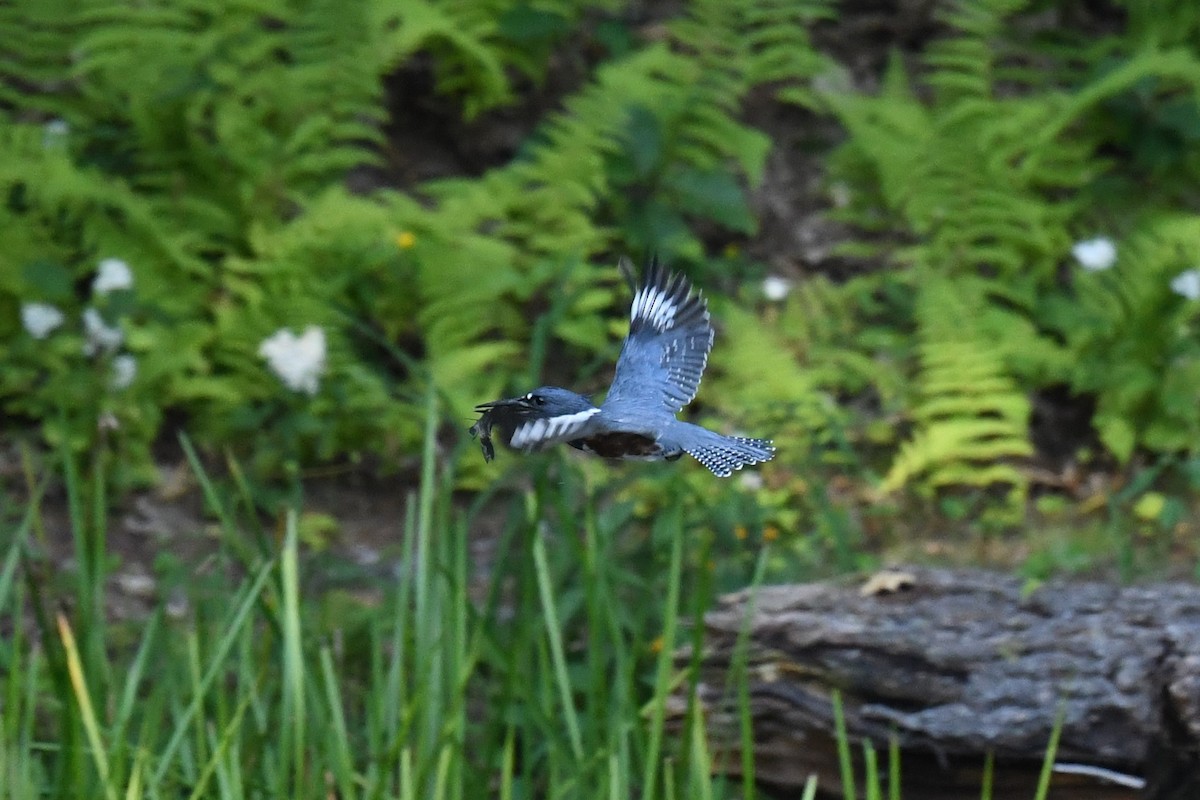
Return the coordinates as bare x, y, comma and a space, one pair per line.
971, 421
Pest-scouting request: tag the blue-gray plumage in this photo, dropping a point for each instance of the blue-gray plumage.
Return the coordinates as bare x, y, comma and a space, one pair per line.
658, 373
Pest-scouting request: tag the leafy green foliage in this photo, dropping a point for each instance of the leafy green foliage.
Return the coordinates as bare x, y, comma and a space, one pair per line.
983, 175
262, 681
214, 153
970, 418
204, 149
676, 155
1138, 341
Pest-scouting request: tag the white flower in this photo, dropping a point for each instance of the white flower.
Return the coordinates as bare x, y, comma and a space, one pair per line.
840, 194
1095, 255
776, 288
751, 481
297, 360
54, 134
100, 335
124, 370
40, 319
1187, 284
112, 274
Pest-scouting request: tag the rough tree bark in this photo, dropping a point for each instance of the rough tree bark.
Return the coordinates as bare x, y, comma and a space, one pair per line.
955, 665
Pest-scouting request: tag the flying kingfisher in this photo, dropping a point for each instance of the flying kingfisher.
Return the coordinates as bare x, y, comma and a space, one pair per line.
658, 373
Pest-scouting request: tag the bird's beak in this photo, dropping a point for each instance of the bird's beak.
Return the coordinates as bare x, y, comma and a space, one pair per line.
483, 407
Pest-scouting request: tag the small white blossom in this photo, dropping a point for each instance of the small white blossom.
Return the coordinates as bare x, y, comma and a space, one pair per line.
775, 288
54, 134
99, 334
751, 481
40, 319
840, 195
299, 361
136, 583
124, 370
1187, 284
1095, 255
178, 605
112, 275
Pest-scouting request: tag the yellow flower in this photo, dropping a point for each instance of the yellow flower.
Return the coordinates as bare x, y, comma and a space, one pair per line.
657, 645
739, 533
405, 239
770, 533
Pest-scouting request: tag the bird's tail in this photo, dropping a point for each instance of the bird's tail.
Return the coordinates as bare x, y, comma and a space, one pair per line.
721, 454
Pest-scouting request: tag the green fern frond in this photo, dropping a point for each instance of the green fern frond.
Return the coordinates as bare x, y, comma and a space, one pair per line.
1135, 340
461, 36
952, 170
35, 67
965, 65
971, 420
251, 117
64, 210
756, 366
1165, 23
761, 378
738, 45
548, 198
789, 365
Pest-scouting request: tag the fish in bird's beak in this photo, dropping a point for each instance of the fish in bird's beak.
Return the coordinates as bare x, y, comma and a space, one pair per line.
493, 413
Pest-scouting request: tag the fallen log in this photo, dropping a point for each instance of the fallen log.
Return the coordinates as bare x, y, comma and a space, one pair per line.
953, 666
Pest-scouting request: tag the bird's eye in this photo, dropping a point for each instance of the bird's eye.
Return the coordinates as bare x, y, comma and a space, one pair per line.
538, 399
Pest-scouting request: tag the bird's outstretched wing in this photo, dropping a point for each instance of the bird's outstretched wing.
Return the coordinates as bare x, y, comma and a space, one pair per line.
666, 350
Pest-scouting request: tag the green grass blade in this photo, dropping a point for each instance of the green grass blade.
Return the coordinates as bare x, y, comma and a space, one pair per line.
133, 679
871, 771
701, 766
224, 646
989, 768
739, 673
506, 765
13, 557
79, 537
407, 790
443, 769
554, 634
427, 652
662, 675
1043, 788
91, 726
845, 763
343, 761
133, 788
293, 660
219, 749
893, 767
213, 500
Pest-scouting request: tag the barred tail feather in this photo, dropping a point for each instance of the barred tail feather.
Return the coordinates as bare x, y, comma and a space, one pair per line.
723, 455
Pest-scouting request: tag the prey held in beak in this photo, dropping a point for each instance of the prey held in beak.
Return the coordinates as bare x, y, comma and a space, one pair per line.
494, 412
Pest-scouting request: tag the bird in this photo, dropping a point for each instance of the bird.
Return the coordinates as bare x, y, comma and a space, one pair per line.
658, 373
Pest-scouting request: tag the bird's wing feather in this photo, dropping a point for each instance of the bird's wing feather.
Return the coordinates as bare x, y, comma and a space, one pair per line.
666, 351
535, 434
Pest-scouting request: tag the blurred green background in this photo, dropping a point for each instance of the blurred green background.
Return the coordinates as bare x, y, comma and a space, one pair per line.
952, 252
